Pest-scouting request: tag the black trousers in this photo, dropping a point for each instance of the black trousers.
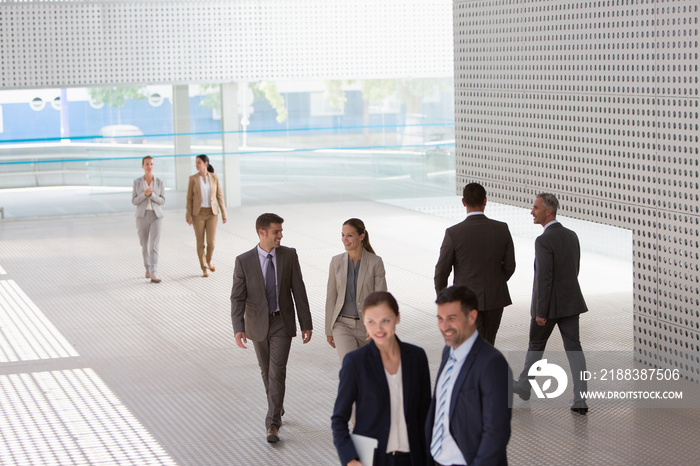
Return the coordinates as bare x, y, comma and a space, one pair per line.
569, 329
487, 323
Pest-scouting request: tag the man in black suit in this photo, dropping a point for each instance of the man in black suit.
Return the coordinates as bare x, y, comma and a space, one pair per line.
469, 417
482, 254
556, 298
264, 280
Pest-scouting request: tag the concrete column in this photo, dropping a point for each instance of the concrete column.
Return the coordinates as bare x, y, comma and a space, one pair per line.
230, 175
181, 127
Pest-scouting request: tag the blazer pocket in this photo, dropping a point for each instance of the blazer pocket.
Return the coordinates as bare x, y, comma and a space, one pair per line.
251, 309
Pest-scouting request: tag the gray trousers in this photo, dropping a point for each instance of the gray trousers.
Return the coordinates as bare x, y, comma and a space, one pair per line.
148, 228
273, 353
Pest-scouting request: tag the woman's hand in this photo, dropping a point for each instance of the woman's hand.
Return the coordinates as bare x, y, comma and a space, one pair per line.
189, 222
330, 340
354, 463
148, 192
224, 220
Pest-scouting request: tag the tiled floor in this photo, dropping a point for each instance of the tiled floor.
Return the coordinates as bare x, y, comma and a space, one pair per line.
99, 366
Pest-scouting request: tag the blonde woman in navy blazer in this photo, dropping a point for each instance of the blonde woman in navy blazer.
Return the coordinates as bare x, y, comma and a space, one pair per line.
202, 212
344, 328
148, 197
388, 380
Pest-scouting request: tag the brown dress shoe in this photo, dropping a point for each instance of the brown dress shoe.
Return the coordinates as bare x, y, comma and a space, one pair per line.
273, 434
155, 279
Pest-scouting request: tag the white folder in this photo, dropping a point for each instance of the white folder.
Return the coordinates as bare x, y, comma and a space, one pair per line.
365, 447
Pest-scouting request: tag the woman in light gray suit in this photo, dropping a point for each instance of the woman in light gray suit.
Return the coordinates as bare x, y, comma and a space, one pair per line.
148, 197
353, 275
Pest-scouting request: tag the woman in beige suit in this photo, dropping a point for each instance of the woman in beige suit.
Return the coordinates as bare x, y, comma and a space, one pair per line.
203, 194
353, 275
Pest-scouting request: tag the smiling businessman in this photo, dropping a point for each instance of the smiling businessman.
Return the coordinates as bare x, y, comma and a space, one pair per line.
262, 309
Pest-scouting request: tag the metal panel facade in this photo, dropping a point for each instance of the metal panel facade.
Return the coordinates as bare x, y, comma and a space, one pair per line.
597, 102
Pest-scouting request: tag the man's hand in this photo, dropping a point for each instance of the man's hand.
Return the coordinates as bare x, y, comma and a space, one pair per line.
306, 335
540, 321
241, 340
330, 340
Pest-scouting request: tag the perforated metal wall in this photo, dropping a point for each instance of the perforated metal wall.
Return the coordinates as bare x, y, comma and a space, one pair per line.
97, 42
597, 102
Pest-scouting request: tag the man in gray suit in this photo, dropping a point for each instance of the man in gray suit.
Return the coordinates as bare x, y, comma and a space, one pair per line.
556, 298
264, 280
482, 254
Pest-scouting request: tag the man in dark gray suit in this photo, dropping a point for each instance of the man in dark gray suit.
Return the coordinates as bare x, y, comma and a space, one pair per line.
264, 280
482, 254
556, 298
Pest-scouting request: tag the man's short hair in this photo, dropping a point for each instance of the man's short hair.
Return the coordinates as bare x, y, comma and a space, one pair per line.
549, 201
474, 195
464, 295
263, 222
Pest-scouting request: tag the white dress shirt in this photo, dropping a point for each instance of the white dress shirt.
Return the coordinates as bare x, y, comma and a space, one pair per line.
450, 452
205, 187
398, 432
149, 205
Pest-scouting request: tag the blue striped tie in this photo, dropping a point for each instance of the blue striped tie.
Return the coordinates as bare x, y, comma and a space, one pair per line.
441, 403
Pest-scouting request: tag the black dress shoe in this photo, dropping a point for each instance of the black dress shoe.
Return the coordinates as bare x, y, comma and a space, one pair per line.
523, 393
273, 434
579, 407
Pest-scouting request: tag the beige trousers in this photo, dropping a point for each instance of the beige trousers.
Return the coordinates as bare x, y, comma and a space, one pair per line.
348, 335
205, 226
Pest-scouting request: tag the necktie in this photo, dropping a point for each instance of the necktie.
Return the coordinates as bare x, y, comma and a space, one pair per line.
270, 285
441, 411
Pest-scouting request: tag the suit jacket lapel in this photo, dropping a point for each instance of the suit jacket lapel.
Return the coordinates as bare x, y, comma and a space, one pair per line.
255, 264
406, 381
280, 265
343, 275
212, 188
197, 188
363, 271
463, 373
378, 371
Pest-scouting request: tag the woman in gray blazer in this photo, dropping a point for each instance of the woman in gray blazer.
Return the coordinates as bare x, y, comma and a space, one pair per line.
148, 197
353, 276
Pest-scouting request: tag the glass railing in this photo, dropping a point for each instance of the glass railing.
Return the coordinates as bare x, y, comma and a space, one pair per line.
95, 173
